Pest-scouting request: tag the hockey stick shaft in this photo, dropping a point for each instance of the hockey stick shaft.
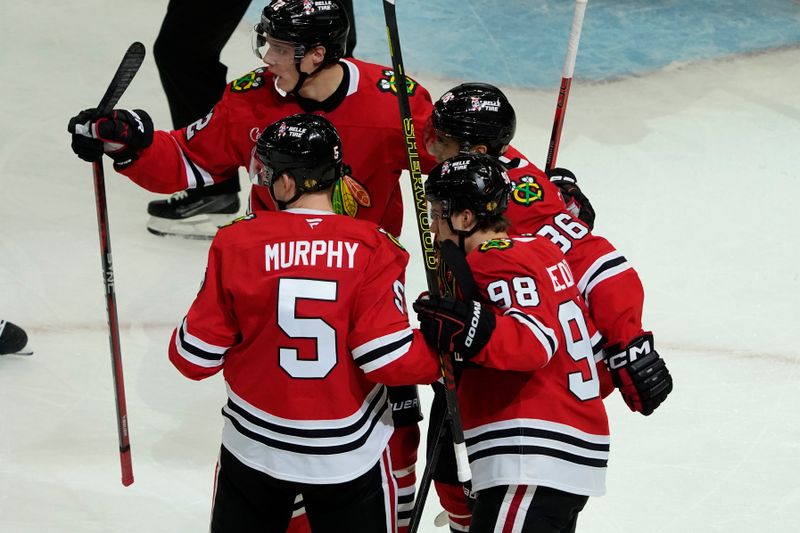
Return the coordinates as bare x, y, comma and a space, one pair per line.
122, 78
425, 235
566, 82
456, 262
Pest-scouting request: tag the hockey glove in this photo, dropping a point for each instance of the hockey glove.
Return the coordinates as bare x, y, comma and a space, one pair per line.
577, 203
455, 326
640, 374
121, 134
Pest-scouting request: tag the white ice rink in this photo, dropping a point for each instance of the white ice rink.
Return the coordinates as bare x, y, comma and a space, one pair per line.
694, 174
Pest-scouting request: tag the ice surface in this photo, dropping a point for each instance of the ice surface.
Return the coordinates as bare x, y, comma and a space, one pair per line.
693, 171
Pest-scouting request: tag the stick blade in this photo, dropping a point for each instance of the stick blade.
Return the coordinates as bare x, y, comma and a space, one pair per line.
127, 69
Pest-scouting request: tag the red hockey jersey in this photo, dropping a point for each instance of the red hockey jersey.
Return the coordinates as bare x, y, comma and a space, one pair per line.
607, 281
304, 329
364, 111
532, 411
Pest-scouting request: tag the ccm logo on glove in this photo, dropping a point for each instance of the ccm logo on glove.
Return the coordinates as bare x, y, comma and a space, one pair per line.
621, 359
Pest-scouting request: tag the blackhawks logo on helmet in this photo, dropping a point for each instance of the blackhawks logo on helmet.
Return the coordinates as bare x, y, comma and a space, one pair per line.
251, 80
527, 191
388, 83
349, 194
495, 244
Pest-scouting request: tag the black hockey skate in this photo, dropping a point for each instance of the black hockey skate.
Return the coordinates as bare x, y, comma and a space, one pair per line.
191, 214
13, 339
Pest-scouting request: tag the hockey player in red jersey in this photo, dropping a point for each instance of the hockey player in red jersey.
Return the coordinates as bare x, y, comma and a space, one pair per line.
477, 117
302, 43
533, 417
303, 310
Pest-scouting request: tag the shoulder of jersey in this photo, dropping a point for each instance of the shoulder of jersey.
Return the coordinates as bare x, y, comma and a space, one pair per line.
382, 79
238, 221
253, 80
542, 245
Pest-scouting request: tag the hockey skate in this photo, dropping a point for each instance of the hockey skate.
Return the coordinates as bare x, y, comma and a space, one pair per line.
191, 214
13, 339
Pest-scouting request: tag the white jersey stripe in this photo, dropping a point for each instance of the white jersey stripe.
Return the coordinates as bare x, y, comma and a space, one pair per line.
201, 344
603, 268
539, 424
546, 336
310, 425
198, 361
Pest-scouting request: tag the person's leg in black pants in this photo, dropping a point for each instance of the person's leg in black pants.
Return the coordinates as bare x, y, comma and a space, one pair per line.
187, 53
249, 501
367, 504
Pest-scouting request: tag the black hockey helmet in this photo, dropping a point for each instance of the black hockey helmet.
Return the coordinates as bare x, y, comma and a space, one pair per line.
307, 147
306, 24
475, 113
469, 181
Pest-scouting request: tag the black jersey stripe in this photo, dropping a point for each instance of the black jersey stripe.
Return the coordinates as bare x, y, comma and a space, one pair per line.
194, 350
308, 450
379, 352
537, 433
376, 405
550, 340
538, 450
605, 266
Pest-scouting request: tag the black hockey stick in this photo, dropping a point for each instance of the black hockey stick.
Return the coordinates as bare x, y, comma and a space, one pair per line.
454, 260
425, 236
122, 78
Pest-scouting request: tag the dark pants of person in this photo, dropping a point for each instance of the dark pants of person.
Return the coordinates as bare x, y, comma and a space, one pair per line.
526, 509
187, 52
249, 501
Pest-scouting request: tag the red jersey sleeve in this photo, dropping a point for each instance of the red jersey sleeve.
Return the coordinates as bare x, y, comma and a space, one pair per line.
203, 153
381, 341
524, 338
198, 346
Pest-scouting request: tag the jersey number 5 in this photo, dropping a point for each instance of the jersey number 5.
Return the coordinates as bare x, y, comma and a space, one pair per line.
289, 291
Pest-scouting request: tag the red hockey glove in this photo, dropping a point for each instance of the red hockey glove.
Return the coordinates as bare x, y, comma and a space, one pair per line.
577, 203
640, 374
455, 326
121, 134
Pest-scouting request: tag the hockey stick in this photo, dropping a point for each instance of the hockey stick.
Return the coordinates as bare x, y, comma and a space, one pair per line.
454, 259
566, 82
423, 227
122, 78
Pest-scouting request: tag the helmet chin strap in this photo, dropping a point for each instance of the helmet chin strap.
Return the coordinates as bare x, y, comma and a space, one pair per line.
302, 77
283, 204
462, 234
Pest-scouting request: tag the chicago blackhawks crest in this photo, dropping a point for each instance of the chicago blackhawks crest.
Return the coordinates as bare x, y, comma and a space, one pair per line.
251, 80
495, 244
388, 83
349, 195
526, 191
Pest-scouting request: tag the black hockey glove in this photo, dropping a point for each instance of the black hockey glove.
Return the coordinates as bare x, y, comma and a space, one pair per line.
453, 326
121, 134
640, 374
577, 203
